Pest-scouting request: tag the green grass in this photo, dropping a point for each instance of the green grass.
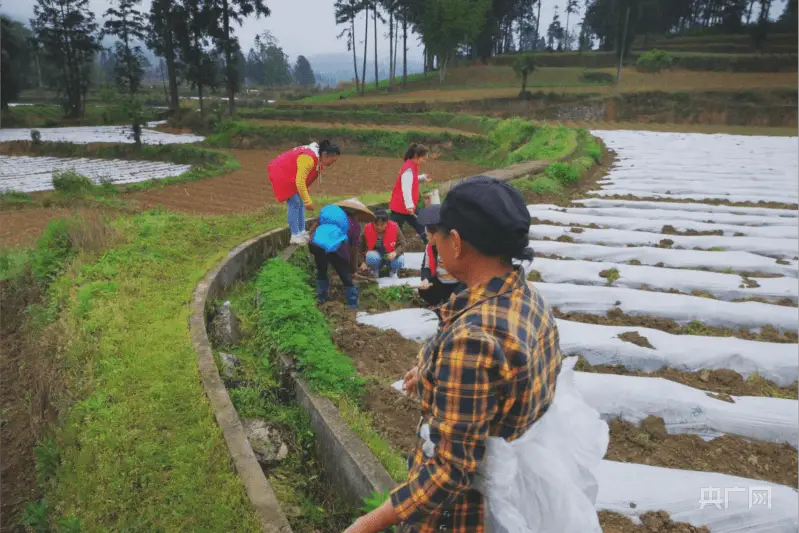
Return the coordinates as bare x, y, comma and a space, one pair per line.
558, 175
307, 499
49, 116
349, 93
295, 326
15, 199
507, 141
139, 450
442, 119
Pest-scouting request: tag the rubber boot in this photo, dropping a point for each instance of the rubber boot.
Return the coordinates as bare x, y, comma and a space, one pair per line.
352, 297
322, 290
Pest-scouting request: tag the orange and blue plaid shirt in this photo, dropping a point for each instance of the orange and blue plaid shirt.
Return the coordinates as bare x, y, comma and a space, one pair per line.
489, 371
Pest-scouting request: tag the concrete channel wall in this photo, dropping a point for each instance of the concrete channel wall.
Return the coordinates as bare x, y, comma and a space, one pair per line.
347, 461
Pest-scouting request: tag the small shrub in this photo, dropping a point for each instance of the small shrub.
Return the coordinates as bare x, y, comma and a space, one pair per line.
70, 182
563, 173
598, 77
541, 185
36, 137
654, 61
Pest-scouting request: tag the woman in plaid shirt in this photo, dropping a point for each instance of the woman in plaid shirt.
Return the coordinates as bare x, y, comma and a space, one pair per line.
483, 380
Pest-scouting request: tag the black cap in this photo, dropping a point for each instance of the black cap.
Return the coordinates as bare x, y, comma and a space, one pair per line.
430, 215
490, 215
381, 214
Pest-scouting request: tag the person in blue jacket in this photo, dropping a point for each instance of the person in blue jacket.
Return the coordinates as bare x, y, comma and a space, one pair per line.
334, 241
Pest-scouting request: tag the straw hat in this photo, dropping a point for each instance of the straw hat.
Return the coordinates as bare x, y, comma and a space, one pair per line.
355, 207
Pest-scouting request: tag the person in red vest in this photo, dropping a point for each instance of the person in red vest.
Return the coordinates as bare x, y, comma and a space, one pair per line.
382, 245
405, 195
291, 173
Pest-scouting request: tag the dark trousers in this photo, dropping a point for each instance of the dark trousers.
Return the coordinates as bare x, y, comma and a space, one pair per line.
439, 292
401, 219
341, 265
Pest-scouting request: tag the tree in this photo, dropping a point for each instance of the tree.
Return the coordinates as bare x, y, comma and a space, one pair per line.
275, 69
760, 31
162, 40
346, 13
571, 7
303, 73
127, 23
70, 38
195, 24
235, 11
15, 52
555, 31
524, 66
788, 19
447, 24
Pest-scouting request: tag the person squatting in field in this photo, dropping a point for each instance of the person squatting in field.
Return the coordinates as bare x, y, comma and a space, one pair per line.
382, 245
334, 240
405, 195
437, 283
506, 443
292, 173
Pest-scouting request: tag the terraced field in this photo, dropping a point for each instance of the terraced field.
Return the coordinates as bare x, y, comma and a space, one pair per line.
675, 283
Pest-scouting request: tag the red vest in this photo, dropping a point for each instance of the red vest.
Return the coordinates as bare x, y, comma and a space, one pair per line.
389, 237
431, 260
397, 204
283, 172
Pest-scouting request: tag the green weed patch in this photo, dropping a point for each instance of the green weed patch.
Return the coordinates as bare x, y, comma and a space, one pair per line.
441, 119
288, 312
137, 448
506, 142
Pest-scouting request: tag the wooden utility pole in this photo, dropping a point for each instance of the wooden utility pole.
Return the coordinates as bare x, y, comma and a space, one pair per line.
623, 45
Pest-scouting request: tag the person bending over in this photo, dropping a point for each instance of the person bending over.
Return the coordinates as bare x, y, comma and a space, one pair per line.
292, 173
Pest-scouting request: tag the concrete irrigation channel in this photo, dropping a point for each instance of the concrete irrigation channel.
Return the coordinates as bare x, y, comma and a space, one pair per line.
687, 348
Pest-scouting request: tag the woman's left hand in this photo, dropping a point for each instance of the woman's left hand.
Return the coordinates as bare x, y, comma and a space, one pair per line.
381, 518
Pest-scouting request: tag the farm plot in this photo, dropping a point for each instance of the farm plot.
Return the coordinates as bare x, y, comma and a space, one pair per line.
683, 318
97, 134
29, 174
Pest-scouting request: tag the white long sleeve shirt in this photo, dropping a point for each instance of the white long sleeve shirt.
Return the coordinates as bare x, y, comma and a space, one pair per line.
407, 188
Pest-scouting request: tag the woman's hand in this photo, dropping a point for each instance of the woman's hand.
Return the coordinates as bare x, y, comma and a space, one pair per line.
310, 207
392, 256
424, 285
364, 267
410, 381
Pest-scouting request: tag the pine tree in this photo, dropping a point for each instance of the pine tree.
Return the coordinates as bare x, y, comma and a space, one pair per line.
303, 73
70, 39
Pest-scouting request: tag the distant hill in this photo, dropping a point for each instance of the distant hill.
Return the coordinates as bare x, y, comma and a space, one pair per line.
330, 69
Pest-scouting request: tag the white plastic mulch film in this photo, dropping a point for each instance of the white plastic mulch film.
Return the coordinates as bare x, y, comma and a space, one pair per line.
98, 134
694, 259
28, 174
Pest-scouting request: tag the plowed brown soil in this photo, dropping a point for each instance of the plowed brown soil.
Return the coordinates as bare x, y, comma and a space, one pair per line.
248, 189
653, 522
723, 380
22, 227
649, 444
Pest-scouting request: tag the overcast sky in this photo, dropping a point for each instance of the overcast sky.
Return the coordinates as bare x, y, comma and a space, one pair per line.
304, 27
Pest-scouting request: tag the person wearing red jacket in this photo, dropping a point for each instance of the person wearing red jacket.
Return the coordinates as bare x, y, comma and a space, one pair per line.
405, 196
292, 173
